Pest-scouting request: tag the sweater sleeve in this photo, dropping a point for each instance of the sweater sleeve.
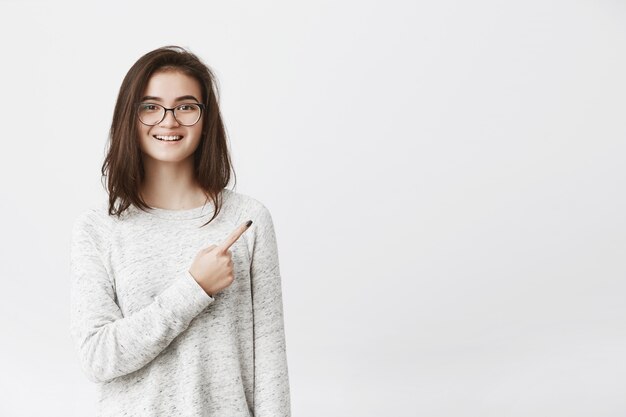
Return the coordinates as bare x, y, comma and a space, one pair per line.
110, 344
271, 380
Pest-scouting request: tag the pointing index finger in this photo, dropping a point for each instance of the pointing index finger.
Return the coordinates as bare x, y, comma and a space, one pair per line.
236, 234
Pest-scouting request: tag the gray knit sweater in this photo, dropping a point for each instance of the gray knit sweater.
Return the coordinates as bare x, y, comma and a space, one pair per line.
153, 340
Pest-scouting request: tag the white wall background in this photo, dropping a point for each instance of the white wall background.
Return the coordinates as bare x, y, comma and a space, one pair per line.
447, 182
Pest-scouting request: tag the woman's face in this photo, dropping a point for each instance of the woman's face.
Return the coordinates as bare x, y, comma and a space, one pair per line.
170, 89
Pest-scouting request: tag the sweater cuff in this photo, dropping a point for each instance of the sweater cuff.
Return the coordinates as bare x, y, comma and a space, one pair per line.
184, 299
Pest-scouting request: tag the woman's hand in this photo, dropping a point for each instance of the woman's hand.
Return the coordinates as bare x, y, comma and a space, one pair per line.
212, 268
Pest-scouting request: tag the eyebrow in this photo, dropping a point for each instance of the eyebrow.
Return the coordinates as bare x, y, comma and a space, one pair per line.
181, 98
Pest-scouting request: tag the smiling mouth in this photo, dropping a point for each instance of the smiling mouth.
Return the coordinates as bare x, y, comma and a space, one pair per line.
167, 138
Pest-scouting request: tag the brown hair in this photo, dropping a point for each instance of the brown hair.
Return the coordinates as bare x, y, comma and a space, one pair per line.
123, 165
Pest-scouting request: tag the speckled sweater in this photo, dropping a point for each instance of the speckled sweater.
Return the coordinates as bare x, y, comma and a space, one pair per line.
151, 338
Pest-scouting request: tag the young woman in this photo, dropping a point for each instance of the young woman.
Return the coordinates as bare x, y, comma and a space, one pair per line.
176, 303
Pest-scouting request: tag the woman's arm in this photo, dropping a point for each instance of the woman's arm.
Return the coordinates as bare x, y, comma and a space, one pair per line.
271, 380
111, 345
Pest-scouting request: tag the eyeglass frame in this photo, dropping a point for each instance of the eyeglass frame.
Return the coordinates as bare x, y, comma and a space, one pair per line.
201, 105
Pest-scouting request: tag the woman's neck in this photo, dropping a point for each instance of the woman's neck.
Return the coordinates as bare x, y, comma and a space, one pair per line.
171, 185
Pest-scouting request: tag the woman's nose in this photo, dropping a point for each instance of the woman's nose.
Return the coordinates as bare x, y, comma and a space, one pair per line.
169, 119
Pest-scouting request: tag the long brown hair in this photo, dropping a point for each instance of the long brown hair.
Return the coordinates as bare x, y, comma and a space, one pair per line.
123, 165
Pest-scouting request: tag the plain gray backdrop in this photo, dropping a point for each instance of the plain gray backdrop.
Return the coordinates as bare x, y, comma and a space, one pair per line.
446, 180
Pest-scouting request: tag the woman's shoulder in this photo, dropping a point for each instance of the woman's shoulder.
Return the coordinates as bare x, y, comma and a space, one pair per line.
243, 202
246, 207
94, 219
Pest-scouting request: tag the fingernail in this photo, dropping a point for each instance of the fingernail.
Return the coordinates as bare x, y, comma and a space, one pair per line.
249, 223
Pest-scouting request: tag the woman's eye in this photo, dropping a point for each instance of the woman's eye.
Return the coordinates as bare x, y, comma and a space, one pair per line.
149, 107
186, 107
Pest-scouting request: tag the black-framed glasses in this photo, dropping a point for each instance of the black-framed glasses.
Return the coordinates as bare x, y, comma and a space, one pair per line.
186, 114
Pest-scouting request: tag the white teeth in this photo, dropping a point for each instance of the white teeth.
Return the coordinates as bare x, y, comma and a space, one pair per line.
162, 137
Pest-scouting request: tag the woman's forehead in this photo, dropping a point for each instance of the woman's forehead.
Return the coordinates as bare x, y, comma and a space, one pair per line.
171, 85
